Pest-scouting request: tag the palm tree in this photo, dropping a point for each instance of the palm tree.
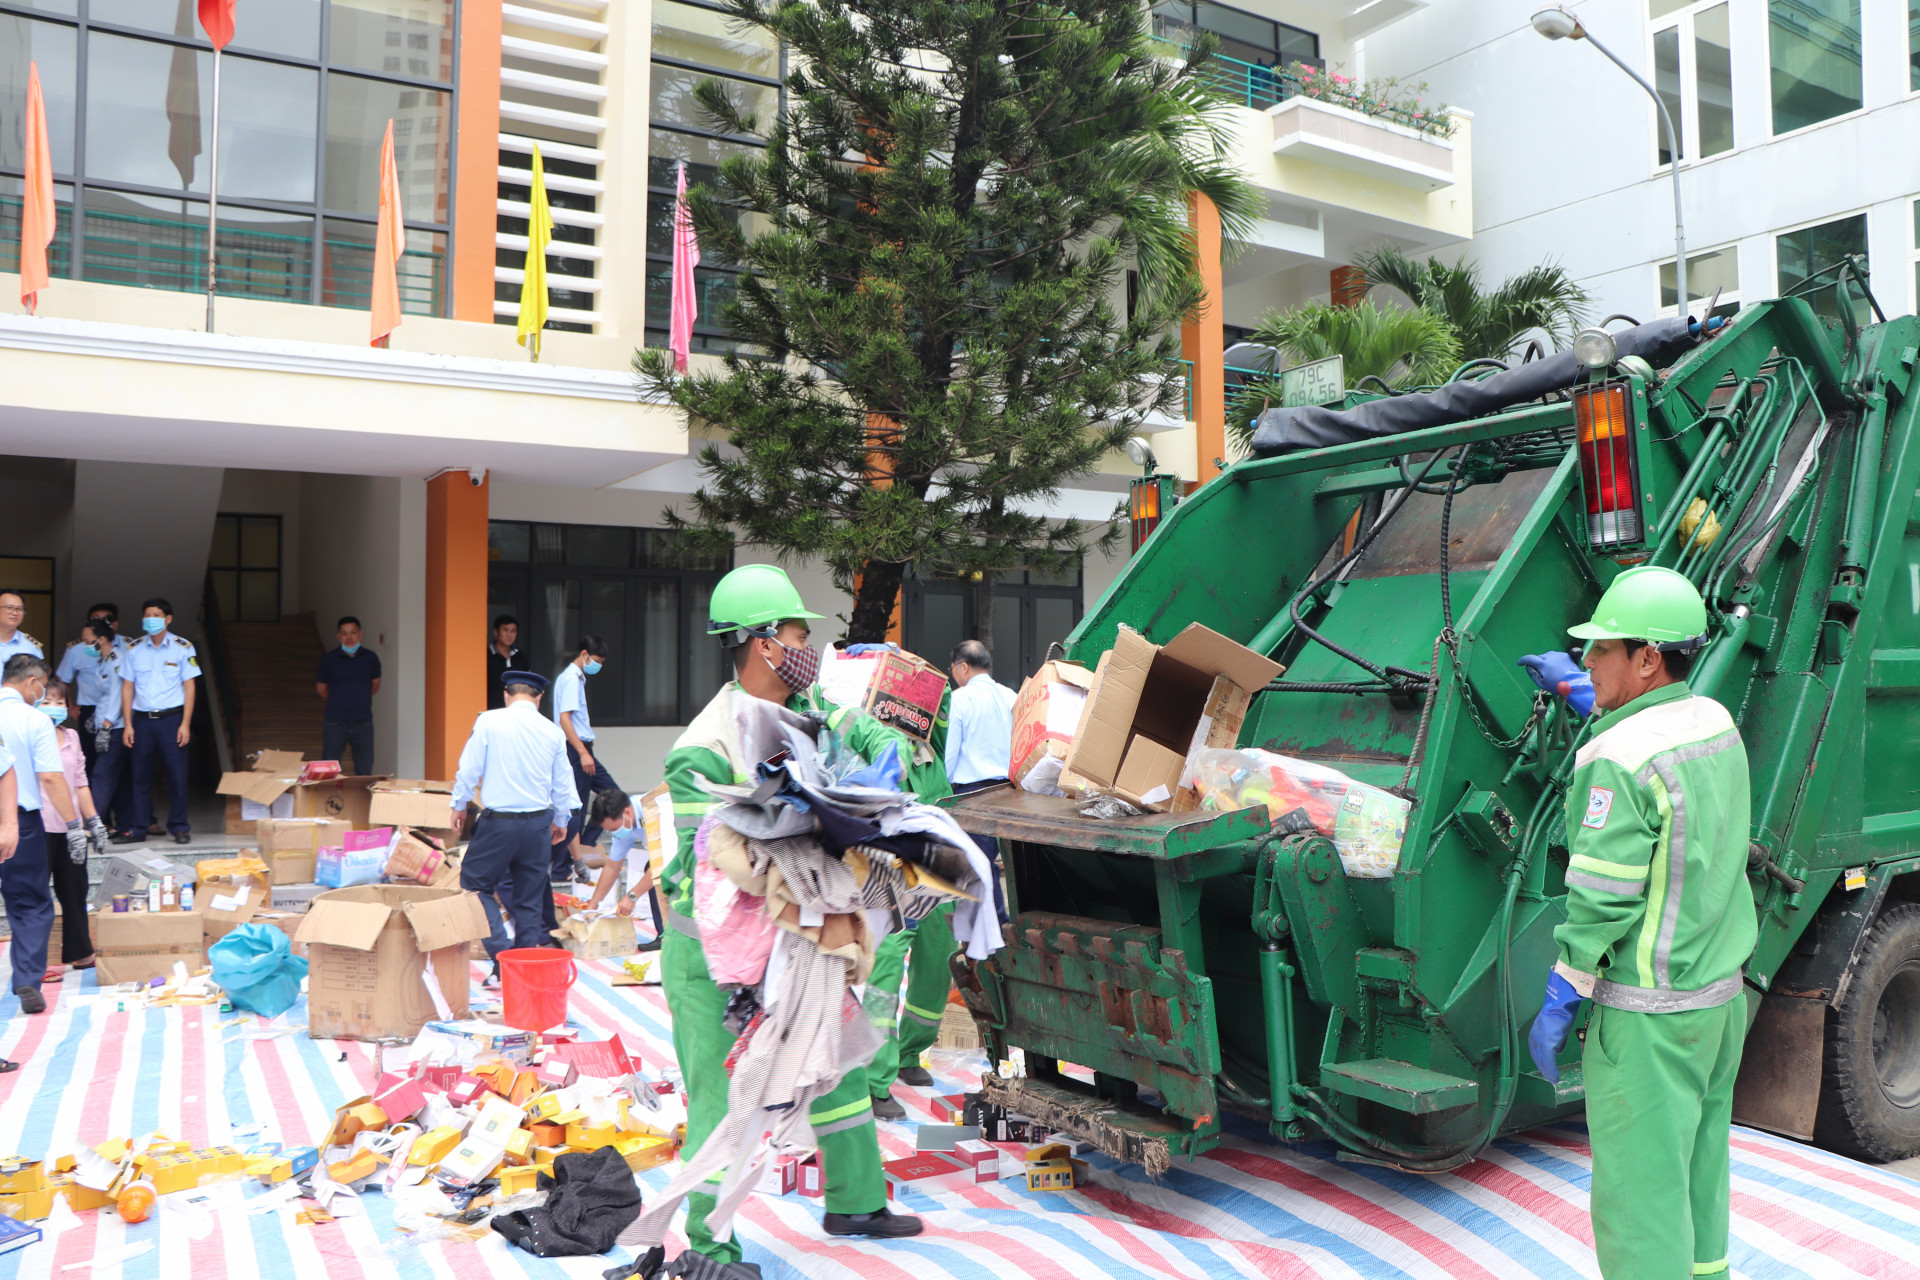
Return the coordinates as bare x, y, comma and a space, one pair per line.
1397, 346
1489, 324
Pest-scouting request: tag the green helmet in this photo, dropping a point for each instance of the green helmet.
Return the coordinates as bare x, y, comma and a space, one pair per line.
1651, 604
753, 600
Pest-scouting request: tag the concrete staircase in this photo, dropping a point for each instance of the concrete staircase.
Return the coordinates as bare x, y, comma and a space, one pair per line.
273, 665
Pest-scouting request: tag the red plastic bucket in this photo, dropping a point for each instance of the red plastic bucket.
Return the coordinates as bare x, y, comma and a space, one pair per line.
533, 986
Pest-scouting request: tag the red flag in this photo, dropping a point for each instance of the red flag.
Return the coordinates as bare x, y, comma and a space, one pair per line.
38, 218
389, 240
216, 18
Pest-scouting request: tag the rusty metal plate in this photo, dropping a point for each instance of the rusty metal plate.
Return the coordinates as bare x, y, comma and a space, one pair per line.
1012, 814
1779, 1084
1485, 518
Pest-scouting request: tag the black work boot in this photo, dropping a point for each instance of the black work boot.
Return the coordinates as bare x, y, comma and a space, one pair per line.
885, 1224
918, 1077
885, 1108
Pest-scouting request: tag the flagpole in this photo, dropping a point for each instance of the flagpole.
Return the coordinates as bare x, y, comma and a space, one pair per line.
213, 187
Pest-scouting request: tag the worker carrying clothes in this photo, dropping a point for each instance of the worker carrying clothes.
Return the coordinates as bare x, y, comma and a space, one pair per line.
757, 615
1659, 922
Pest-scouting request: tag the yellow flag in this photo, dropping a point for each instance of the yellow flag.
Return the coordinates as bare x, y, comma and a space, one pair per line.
533, 283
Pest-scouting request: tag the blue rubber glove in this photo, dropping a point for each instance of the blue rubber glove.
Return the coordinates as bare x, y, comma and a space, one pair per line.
1559, 674
885, 773
862, 650
1551, 1025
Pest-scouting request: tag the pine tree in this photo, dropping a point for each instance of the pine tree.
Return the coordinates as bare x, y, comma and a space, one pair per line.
931, 290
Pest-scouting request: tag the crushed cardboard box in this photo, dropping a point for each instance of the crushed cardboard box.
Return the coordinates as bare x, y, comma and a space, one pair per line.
139, 946
1045, 716
896, 688
1152, 707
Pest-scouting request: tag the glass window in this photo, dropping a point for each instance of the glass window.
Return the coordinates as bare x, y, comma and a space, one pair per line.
347, 279
674, 103
243, 563
606, 617
1666, 79
600, 544
1661, 8
660, 687
1715, 270
290, 27
25, 42
1913, 45
12, 203
1801, 253
413, 39
687, 34
1815, 52
1713, 79
357, 113
707, 666
507, 540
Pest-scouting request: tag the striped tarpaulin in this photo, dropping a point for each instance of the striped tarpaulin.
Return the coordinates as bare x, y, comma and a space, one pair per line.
1250, 1208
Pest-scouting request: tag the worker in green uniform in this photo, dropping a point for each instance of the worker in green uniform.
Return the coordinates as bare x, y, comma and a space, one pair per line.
909, 1021
757, 615
1660, 920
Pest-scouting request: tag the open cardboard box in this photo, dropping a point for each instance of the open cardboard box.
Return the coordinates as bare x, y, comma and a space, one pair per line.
899, 689
1045, 716
139, 946
385, 959
289, 845
274, 788
1152, 707
412, 802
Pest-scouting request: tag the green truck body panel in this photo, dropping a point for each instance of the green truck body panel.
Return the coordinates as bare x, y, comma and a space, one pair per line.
1206, 961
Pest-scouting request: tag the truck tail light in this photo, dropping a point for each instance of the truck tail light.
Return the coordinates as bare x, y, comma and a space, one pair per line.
1609, 465
1145, 503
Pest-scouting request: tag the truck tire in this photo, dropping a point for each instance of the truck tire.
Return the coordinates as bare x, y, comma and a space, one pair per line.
1870, 1090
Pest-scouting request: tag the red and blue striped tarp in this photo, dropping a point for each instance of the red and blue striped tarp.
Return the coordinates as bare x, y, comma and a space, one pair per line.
1250, 1208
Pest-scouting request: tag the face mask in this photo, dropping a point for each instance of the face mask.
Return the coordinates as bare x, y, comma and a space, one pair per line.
592, 668
798, 668
349, 649
56, 711
153, 626
92, 650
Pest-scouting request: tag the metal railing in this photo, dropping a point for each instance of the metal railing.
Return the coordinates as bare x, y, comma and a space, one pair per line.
1259, 86
171, 253
1236, 376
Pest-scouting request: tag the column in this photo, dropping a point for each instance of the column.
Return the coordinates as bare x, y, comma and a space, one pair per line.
456, 622
1201, 341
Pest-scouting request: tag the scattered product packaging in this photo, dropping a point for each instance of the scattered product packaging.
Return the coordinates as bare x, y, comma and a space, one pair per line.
141, 946
289, 845
1367, 825
1045, 716
360, 859
899, 689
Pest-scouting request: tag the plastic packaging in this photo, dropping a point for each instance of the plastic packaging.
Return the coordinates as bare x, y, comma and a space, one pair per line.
136, 1201
257, 969
1367, 825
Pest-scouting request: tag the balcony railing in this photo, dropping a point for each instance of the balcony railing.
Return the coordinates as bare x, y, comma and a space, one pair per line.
1261, 87
170, 253
1235, 377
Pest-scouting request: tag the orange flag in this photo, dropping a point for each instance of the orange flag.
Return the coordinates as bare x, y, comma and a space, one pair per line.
389, 238
38, 218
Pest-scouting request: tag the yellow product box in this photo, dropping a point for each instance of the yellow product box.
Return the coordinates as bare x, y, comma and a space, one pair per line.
498, 1075
1050, 1175
21, 1176
280, 1170
113, 1150
433, 1146
262, 1166
223, 1159
517, 1178
29, 1206
644, 1151
525, 1085
544, 1107
582, 1136
520, 1147
63, 1164
80, 1196
354, 1168
575, 1116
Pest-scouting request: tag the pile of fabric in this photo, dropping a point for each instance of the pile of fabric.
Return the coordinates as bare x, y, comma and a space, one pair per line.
798, 876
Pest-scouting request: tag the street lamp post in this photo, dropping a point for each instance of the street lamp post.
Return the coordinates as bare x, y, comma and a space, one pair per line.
1557, 24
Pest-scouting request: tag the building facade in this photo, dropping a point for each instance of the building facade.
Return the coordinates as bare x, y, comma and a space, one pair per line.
274, 472
1795, 121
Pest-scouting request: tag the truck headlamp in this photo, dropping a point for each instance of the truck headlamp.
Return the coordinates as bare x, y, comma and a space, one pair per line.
1595, 349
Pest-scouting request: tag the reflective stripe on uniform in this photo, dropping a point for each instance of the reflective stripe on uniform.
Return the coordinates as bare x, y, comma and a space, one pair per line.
1616, 995
1710, 1268
1606, 884
1611, 870
682, 924
1661, 766
918, 1014
850, 1116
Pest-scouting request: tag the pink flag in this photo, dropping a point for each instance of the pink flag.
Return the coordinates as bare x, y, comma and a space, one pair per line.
686, 256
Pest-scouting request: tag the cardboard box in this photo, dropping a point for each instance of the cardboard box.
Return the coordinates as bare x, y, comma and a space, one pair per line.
288, 845
411, 802
361, 859
294, 898
30, 1206
370, 950
1045, 716
517, 1178
414, 860
1151, 707
906, 694
433, 1146
19, 1175
231, 892
139, 946
262, 792
598, 938
129, 873
1050, 1175
644, 1151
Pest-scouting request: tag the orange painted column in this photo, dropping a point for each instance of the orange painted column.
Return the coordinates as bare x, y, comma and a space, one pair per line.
456, 616
477, 151
1202, 340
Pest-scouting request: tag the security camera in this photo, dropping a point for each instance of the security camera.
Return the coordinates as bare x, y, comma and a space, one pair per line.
476, 476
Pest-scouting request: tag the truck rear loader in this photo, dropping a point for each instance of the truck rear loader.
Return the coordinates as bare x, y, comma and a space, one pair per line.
1398, 554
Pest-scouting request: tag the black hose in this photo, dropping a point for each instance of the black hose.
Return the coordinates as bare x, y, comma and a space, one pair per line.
1406, 478
1309, 686
1618, 315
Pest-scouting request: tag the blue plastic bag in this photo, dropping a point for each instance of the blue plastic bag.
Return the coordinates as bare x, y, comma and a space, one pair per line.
257, 969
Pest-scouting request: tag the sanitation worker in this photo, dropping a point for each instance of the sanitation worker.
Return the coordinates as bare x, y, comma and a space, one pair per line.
1659, 922
758, 618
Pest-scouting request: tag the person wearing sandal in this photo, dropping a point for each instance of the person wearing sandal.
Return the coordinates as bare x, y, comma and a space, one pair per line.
41, 797
69, 877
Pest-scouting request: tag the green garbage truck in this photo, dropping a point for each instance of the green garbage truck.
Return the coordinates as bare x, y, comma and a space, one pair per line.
1397, 555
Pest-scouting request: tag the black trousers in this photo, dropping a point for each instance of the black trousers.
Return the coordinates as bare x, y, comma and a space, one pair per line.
508, 857
989, 845
70, 890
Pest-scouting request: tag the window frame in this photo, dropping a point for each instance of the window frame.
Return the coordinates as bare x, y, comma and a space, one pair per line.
914, 591
1687, 127
1729, 299
1863, 212
320, 214
1773, 134
239, 565
531, 577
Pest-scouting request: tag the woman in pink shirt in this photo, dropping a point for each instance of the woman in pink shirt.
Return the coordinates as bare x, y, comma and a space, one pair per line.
70, 880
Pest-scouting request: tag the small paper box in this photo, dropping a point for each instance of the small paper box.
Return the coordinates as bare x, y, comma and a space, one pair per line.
224, 1159
304, 1158
61, 1164
950, 1109
556, 1073
80, 1196
261, 1167
21, 1176
525, 1085
363, 1164
471, 1161
351, 1118
1075, 1145
812, 1182
499, 1077
1050, 1175
467, 1090
586, 1136
643, 1151
519, 1148
1046, 1151
439, 1078
29, 1206
546, 1133
433, 1146
403, 1100
545, 1107
517, 1178
572, 1115
976, 1152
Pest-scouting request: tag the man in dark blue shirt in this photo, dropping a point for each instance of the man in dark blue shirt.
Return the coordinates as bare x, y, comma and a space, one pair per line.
349, 677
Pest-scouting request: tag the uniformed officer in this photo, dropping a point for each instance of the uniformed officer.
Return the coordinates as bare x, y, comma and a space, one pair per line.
13, 611
757, 616
619, 815
159, 675
570, 713
1660, 921
91, 667
522, 758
